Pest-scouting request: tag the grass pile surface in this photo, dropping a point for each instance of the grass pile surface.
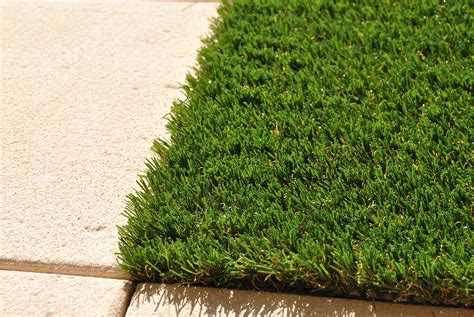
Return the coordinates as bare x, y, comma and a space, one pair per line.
322, 147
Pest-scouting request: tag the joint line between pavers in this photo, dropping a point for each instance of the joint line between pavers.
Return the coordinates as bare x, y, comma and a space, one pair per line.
63, 269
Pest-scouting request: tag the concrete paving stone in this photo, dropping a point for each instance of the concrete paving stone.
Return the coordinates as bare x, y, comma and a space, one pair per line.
38, 294
85, 89
172, 300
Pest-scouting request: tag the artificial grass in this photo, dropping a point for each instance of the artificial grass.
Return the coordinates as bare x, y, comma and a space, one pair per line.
323, 146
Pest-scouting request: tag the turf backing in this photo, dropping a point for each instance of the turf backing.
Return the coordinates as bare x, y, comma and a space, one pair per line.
323, 146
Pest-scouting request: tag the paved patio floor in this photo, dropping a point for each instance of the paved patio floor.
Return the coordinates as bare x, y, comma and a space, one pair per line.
85, 90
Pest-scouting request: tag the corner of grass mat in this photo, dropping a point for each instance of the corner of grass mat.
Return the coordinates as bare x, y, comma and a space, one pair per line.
322, 147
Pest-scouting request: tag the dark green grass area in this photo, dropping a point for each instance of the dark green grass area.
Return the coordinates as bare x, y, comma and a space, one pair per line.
322, 147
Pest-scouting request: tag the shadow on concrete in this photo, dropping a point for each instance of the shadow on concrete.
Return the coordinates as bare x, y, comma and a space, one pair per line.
176, 300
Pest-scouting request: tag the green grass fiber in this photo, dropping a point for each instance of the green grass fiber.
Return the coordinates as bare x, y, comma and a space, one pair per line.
322, 147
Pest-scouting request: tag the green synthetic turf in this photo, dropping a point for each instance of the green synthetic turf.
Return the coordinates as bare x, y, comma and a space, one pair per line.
323, 146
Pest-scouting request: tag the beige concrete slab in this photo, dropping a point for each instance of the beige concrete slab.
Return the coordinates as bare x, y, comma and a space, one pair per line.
37, 294
84, 91
171, 300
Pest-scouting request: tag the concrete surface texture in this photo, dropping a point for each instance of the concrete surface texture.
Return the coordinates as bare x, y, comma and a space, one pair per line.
85, 88
37, 294
173, 300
